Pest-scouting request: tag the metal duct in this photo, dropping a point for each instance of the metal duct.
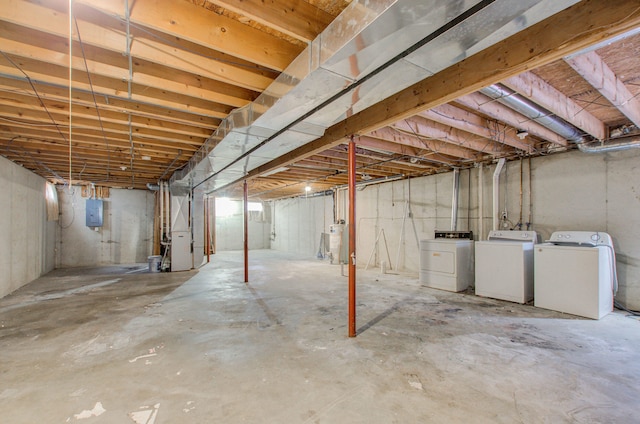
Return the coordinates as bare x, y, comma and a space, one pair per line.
454, 200
614, 145
547, 119
379, 47
531, 110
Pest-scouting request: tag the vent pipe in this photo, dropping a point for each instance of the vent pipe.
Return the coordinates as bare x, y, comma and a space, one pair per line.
454, 200
496, 192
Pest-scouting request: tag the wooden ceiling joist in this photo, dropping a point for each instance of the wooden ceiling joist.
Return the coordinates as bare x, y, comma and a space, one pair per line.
424, 143
501, 113
454, 117
187, 21
424, 128
208, 63
540, 92
297, 19
597, 73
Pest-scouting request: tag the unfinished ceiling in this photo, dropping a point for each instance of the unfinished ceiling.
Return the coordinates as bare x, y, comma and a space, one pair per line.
149, 82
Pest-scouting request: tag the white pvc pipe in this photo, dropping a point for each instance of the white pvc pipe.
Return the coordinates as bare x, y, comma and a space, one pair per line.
168, 209
161, 200
496, 192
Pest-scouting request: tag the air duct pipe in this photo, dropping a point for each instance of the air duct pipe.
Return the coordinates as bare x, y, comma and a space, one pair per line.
496, 192
534, 112
547, 119
454, 200
614, 145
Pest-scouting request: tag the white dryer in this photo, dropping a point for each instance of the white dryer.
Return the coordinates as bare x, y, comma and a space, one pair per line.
575, 273
504, 265
446, 263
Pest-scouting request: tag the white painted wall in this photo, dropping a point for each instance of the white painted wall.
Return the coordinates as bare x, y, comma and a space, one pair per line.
28, 239
298, 223
230, 228
126, 236
569, 191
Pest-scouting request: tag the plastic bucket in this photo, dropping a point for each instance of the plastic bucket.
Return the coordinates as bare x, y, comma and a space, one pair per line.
154, 263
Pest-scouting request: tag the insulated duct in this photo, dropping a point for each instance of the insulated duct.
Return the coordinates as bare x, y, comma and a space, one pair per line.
378, 47
534, 112
547, 119
613, 145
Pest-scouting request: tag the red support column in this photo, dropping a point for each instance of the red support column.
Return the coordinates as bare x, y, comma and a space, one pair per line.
246, 232
207, 239
352, 238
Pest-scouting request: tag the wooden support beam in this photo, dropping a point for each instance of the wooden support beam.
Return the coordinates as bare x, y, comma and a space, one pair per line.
573, 29
296, 18
597, 73
540, 92
499, 112
470, 122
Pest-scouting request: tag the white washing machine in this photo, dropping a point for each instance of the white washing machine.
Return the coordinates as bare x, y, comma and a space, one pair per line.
575, 273
504, 265
446, 264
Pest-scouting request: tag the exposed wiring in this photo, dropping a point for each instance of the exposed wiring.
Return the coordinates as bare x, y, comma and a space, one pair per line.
177, 45
30, 156
70, 91
95, 102
31, 124
166, 171
621, 307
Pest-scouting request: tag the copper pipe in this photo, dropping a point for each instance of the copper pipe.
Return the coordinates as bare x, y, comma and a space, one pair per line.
352, 238
246, 232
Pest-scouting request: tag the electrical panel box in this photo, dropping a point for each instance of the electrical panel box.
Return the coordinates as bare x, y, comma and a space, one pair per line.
94, 212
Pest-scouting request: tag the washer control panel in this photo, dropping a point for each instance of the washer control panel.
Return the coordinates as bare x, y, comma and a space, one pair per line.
528, 236
587, 238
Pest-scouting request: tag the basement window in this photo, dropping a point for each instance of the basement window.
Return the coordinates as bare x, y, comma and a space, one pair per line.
254, 207
228, 207
51, 197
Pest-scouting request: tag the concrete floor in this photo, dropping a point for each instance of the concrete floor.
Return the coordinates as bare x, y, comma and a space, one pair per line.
114, 345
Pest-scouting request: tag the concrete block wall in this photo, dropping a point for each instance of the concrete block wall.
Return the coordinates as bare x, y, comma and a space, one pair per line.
570, 191
125, 238
28, 240
230, 229
298, 222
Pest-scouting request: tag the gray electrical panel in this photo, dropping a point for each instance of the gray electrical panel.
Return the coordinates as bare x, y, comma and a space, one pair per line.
94, 212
